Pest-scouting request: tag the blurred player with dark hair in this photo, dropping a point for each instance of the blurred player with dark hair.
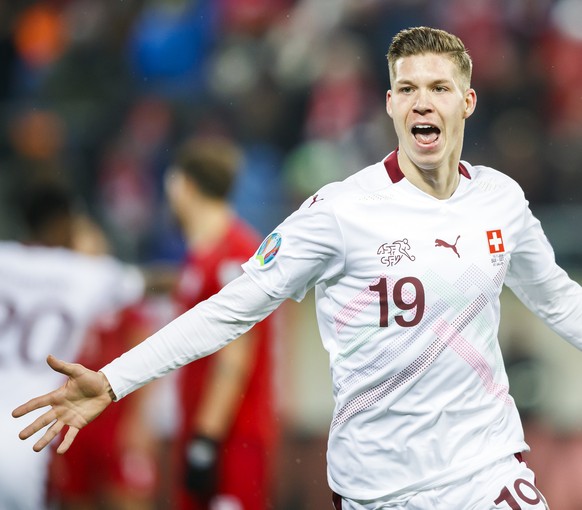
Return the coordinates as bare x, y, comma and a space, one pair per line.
226, 400
49, 295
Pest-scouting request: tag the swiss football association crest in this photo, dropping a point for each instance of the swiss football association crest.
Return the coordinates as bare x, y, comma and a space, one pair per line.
392, 253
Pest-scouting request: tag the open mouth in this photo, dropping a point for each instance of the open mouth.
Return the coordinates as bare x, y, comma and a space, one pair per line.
425, 133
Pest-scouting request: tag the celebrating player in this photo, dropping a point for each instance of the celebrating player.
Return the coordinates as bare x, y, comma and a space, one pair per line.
408, 258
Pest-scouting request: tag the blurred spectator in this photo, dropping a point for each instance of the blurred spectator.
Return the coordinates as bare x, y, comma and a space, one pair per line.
253, 17
39, 35
562, 47
169, 44
7, 53
89, 86
344, 93
127, 183
35, 154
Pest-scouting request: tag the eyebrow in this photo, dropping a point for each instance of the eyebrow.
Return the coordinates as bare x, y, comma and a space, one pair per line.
439, 81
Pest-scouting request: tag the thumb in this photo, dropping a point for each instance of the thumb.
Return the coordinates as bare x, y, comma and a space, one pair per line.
68, 369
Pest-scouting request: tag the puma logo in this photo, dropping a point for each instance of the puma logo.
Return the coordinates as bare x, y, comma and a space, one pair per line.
444, 244
315, 199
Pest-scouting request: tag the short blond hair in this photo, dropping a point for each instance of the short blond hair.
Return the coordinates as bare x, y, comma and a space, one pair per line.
421, 40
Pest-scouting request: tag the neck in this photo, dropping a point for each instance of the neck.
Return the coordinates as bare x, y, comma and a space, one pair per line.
440, 182
440, 185
208, 224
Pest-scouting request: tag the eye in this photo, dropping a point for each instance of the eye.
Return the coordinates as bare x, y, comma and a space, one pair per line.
440, 88
406, 90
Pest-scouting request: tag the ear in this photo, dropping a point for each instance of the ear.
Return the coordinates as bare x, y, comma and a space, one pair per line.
389, 102
175, 184
171, 181
470, 103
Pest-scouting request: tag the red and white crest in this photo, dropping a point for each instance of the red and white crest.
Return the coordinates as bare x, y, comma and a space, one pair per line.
495, 241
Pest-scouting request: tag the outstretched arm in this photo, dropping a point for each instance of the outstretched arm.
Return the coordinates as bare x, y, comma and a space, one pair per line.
200, 331
82, 398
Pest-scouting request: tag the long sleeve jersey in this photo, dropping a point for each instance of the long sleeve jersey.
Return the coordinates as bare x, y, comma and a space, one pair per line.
407, 298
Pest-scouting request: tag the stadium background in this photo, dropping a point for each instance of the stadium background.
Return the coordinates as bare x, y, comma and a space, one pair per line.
97, 94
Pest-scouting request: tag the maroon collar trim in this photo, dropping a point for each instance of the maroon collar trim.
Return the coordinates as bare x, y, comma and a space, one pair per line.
396, 175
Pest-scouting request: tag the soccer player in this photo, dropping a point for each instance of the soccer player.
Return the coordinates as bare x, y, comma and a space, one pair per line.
114, 463
49, 296
226, 399
408, 257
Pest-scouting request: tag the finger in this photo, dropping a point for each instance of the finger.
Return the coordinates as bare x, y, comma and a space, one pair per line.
41, 422
41, 444
68, 440
49, 435
33, 404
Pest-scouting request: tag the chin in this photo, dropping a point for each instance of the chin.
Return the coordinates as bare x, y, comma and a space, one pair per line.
433, 156
426, 160
427, 163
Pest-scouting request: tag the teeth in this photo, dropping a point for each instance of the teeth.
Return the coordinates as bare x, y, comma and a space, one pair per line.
423, 126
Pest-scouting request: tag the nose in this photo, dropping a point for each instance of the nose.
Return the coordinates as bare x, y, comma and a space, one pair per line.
423, 103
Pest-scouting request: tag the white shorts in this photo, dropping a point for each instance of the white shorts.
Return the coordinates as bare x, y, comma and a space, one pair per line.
507, 484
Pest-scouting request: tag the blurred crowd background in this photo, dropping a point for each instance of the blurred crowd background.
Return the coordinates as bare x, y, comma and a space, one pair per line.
97, 95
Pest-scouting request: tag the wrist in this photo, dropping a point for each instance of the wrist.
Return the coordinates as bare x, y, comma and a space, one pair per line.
107, 387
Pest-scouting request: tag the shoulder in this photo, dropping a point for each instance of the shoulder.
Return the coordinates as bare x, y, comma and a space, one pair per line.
490, 179
366, 181
242, 233
39, 265
36, 256
238, 242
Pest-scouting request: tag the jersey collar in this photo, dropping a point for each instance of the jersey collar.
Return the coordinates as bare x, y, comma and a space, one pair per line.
396, 175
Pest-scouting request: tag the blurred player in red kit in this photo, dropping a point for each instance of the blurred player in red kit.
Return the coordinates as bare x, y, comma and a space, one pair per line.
227, 435
114, 464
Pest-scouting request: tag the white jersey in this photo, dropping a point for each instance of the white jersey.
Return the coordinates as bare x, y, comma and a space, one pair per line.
407, 294
48, 298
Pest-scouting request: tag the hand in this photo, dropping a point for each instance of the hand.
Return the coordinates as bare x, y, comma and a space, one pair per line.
79, 401
202, 466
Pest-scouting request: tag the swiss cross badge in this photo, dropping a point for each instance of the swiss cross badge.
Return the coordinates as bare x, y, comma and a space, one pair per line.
496, 247
495, 240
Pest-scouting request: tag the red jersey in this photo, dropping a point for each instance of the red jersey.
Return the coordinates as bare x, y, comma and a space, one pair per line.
203, 275
98, 460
